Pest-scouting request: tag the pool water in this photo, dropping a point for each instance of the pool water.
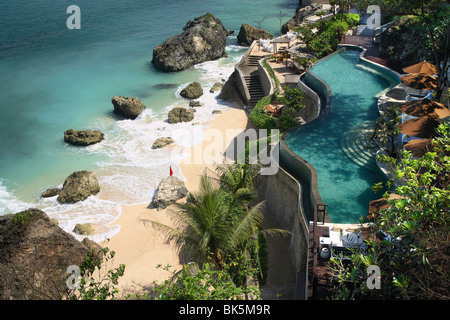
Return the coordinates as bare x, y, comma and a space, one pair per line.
337, 145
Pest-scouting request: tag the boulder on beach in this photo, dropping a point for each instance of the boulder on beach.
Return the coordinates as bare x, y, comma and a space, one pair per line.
79, 186
35, 254
203, 39
180, 114
83, 137
162, 142
127, 106
170, 190
248, 34
193, 90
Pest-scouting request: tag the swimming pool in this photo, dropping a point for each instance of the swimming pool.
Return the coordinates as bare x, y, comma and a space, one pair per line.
337, 145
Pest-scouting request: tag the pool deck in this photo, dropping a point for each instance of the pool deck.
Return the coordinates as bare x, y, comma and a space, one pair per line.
373, 51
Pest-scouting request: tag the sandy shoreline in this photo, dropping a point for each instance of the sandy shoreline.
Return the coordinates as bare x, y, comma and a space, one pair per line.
138, 245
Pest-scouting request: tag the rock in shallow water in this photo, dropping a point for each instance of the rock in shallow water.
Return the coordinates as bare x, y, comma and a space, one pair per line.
162, 142
50, 193
127, 106
79, 186
193, 91
203, 39
83, 137
180, 114
248, 34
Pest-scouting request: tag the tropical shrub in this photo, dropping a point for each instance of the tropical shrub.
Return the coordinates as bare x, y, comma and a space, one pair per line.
261, 119
204, 283
410, 241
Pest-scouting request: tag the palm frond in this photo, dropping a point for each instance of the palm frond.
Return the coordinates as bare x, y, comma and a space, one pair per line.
247, 226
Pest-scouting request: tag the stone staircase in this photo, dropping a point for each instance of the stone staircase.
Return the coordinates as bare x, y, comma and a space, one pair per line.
253, 81
253, 60
357, 147
363, 30
254, 87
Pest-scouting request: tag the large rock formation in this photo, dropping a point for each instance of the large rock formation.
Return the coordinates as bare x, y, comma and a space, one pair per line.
180, 114
247, 34
128, 107
193, 90
34, 256
78, 186
231, 90
300, 15
203, 39
169, 191
83, 137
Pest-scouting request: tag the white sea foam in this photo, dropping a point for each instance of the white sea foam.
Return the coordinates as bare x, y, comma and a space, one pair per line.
101, 213
9, 203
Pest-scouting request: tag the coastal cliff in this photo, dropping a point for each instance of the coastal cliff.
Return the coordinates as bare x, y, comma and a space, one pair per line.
203, 39
34, 255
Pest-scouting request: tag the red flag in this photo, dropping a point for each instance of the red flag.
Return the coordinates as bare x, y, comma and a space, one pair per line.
171, 171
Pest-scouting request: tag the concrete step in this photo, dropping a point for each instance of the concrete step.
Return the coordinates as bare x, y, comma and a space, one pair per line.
357, 147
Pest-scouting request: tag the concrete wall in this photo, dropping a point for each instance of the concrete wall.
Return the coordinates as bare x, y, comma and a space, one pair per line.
282, 194
312, 102
266, 80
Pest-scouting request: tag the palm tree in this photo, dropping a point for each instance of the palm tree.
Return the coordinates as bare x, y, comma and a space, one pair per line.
238, 177
211, 225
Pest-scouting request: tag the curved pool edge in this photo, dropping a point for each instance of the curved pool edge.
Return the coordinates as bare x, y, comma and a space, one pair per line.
296, 165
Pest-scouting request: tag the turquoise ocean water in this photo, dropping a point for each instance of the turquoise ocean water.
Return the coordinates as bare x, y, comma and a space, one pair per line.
53, 79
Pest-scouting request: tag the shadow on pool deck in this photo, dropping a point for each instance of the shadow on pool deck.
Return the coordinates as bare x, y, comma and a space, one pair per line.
373, 51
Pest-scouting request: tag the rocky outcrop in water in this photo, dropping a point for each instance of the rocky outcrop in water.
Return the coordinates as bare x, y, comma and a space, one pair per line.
195, 104
248, 34
216, 87
180, 114
84, 229
83, 137
128, 107
300, 15
79, 186
203, 39
193, 90
34, 256
170, 190
50, 193
162, 142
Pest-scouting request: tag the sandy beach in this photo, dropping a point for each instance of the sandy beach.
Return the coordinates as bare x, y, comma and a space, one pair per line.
138, 245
